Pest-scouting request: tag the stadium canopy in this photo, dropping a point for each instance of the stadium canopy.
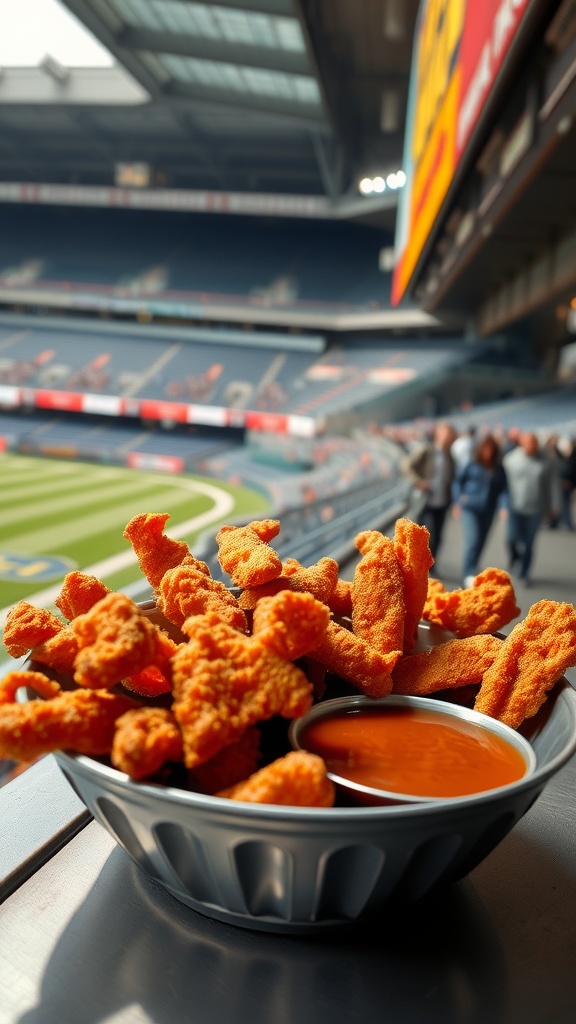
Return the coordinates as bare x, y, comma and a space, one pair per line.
272, 97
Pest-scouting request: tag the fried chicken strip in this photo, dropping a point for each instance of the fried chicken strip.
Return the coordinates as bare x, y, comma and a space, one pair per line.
224, 682
116, 639
378, 607
26, 626
298, 779
450, 665
291, 624
156, 552
145, 738
532, 658
185, 590
319, 579
485, 607
245, 554
350, 657
79, 592
412, 549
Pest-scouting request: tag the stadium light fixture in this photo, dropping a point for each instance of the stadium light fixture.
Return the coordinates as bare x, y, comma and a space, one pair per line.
394, 180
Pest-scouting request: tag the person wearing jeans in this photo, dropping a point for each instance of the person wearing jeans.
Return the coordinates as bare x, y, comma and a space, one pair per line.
529, 484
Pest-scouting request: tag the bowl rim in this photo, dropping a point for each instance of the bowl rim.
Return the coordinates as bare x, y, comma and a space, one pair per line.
92, 769
442, 707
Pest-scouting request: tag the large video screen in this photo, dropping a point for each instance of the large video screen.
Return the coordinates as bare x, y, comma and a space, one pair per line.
459, 48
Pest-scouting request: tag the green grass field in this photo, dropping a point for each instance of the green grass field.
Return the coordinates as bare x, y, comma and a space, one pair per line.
56, 516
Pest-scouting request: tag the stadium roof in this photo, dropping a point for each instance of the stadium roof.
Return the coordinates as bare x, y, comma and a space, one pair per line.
286, 97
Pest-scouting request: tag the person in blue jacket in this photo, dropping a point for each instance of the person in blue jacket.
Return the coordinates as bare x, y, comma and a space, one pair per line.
478, 489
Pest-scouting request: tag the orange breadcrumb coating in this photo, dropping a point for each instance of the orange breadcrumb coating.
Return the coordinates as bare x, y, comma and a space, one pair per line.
244, 552
319, 579
532, 658
30, 679
115, 639
145, 739
78, 593
451, 664
290, 623
298, 779
27, 626
350, 657
485, 607
378, 607
412, 548
58, 651
230, 765
340, 600
185, 591
155, 551
224, 682
79, 720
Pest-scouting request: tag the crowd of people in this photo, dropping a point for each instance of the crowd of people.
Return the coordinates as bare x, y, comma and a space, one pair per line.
477, 476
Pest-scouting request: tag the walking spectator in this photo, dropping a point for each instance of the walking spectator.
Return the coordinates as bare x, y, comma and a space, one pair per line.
477, 490
463, 447
550, 448
529, 500
430, 467
567, 450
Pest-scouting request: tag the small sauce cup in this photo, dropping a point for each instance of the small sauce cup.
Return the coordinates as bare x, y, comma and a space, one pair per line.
400, 749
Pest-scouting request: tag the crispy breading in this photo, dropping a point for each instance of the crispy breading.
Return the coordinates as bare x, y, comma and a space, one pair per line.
156, 552
29, 679
451, 664
245, 554
350, 657
58, 651
378, 606
485, 607
115, 639
298, 779
78, 593
290, 623
224, 682
185, 590
80, 720
230, 765
532, 658
319, 579
145, 738
340, 600
26, 626
412, 548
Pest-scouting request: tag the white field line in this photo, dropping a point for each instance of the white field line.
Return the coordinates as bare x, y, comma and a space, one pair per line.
223, 505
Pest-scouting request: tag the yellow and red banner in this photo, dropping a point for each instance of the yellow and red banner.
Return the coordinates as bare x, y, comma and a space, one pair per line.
459, 48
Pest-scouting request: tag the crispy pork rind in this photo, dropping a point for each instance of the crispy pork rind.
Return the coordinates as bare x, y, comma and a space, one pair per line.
156, 552
485, 607
224, 682
245, 554
298, 779
532, 658
449, 665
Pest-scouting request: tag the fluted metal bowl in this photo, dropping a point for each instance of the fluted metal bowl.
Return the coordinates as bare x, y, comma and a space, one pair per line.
306, 870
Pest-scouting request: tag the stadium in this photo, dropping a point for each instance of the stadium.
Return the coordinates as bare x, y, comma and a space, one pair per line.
251, 251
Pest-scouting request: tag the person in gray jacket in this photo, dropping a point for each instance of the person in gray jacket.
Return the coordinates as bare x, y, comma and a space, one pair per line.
529, 485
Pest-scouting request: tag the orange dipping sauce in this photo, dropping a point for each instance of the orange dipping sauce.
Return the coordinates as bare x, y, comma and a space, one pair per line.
413, 751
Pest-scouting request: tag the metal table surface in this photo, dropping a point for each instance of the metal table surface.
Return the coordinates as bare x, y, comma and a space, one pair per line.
87, 938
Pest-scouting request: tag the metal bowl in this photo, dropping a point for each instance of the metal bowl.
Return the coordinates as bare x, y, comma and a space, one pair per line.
308, 870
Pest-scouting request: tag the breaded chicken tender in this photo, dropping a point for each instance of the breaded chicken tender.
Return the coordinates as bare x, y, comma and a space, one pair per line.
290, 623
350, 657
340, 600
145, 738
378, 606
185, 590
27, 626
412, 548
80, 720
319, 579
232, 764
451, 664
155, 551
224, 682
78, 593
532, 658
115, 639
58, 651
485, 607
298, 779
245, 554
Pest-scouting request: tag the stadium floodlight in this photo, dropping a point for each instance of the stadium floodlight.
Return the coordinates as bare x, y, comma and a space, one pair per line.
365, 186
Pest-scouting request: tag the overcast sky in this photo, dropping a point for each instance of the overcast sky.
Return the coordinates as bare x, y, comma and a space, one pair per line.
31, 29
